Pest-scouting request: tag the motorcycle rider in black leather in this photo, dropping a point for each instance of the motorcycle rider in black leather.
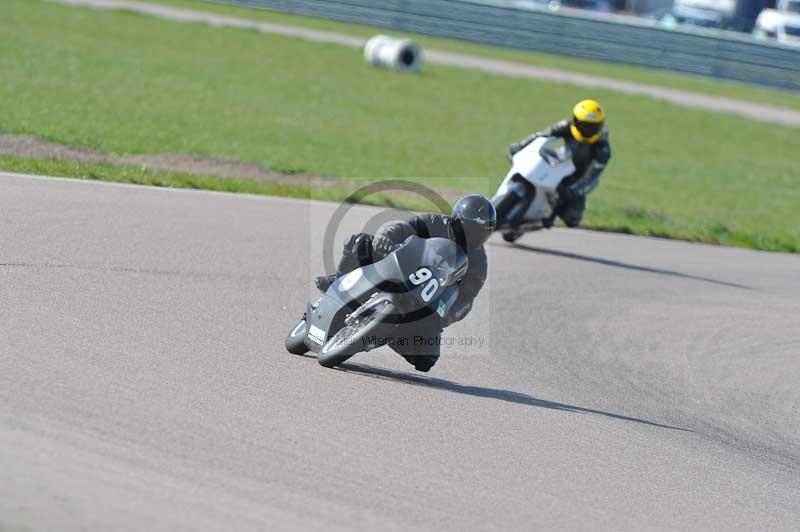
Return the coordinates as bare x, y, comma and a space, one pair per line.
471, 223
586, 135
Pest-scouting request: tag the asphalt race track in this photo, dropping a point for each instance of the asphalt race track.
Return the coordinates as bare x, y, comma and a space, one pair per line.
623, 384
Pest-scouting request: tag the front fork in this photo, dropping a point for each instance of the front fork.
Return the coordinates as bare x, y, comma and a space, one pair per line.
517, 211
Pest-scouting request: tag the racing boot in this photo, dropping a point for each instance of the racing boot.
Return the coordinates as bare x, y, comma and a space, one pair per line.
422, 363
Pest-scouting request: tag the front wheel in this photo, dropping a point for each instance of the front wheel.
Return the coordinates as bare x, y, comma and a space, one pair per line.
503, 205
356, 335
295, 342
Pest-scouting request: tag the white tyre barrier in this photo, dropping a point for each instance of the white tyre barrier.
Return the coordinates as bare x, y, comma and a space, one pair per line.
397, 54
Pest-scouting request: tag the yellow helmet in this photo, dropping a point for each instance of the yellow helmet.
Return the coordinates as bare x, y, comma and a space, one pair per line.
587, 121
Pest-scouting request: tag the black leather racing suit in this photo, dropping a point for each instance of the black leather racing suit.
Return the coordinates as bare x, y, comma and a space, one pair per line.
589, 159
362, 248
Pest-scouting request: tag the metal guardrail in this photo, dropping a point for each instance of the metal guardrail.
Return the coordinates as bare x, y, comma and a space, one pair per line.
593, 37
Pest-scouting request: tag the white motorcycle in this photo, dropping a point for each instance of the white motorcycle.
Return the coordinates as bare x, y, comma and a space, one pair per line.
528, 194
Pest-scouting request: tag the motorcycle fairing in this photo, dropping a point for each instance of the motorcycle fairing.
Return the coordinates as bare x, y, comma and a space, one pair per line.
544, 168
446, 261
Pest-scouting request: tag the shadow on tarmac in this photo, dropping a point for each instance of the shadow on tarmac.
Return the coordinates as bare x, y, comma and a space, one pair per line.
618, 264
489, 393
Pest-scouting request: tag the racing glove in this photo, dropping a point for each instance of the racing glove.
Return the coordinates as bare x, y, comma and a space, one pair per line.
383, 246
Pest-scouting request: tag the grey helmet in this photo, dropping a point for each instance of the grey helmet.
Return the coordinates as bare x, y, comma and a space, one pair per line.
473, 220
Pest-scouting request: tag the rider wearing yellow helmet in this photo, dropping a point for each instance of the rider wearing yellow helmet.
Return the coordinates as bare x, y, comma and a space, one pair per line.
586, 135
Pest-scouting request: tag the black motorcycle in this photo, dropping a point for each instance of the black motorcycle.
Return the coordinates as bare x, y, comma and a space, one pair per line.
374, 305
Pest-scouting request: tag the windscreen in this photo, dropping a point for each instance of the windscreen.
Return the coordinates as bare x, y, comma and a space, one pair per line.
443, 255
555, 152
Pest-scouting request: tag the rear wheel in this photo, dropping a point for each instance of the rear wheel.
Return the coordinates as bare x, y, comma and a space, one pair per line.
295, 342
354, 337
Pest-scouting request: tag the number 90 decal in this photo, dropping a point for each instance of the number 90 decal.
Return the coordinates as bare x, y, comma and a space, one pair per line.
422, 275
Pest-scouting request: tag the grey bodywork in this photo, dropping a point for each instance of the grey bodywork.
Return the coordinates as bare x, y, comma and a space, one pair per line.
389, 277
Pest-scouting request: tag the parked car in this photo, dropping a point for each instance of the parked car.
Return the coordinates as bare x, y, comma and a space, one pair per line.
598, 6
781, 23
702, 13
783, 27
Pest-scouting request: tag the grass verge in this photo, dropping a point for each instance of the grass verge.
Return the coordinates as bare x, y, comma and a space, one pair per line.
124, 83
141, 175
601, 217
728, 89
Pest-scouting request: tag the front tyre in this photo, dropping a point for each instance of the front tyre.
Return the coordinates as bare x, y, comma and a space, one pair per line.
503, 205
295, 342
354, 337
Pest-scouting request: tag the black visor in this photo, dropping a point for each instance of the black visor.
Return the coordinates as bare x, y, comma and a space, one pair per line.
472, 234
588, 129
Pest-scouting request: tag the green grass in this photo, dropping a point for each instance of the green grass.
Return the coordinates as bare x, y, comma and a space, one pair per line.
140, 175
124, 83
145, 176
729, 89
